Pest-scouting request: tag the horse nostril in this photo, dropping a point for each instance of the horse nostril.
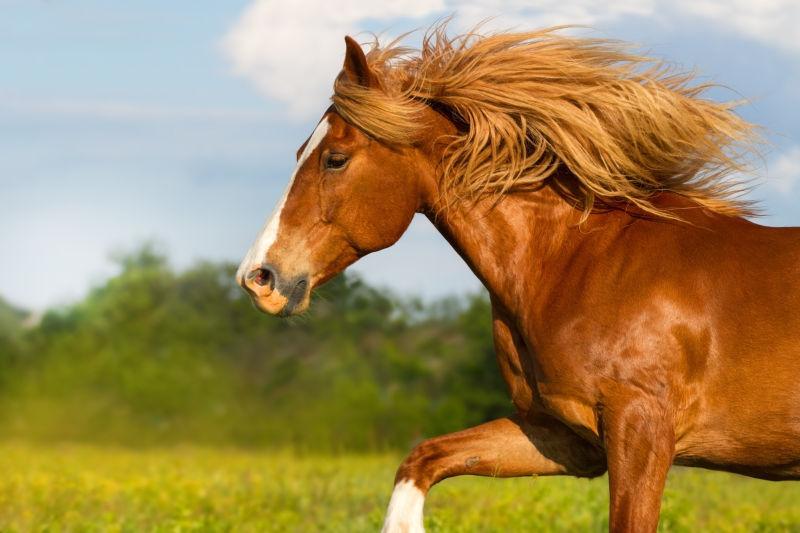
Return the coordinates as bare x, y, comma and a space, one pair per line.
262, 277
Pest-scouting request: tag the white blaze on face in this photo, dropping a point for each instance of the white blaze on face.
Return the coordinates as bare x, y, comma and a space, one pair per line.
405, 509
258, 252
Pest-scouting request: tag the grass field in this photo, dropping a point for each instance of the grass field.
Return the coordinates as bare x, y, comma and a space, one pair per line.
81, 488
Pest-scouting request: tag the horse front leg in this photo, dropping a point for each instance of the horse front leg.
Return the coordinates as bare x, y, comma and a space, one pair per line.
507, 447
640, 446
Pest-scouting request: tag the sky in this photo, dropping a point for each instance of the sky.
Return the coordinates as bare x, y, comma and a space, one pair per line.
177, 122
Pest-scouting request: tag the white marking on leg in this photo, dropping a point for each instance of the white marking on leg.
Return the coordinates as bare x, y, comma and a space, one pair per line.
405, 509
269, 233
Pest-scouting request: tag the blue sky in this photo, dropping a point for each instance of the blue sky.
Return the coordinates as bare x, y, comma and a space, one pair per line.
178, 121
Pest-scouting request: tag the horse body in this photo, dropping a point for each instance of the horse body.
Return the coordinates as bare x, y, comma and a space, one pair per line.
700, 318
639, 319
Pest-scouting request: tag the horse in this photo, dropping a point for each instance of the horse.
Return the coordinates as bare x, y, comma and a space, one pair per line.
640, 318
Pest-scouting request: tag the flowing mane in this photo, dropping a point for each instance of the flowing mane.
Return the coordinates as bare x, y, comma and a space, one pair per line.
525, 104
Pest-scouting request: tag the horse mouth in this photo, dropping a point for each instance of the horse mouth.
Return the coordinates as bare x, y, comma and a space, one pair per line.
296, 300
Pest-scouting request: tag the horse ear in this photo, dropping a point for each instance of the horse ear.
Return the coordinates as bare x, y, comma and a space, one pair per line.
356, 67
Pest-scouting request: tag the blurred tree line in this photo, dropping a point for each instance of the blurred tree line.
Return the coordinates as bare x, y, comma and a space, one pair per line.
155, 356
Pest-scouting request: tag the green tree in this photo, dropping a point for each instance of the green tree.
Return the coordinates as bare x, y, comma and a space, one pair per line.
155, 356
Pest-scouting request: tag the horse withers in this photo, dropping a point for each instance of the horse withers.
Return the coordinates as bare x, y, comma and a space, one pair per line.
640, 320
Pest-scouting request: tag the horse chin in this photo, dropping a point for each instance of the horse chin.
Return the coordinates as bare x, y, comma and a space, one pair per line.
297, 308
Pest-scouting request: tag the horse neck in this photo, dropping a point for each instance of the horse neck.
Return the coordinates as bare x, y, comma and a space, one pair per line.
513, 244
517, 246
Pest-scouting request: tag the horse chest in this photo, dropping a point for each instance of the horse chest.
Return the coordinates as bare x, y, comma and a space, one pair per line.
540, 385
569, 393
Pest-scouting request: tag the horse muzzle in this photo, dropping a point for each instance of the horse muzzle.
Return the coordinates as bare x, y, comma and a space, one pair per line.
276, 294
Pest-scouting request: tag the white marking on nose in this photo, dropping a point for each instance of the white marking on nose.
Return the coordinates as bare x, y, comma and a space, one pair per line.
405, 509
269, 233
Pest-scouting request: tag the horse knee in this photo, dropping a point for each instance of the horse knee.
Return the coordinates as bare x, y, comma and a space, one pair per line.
420, 466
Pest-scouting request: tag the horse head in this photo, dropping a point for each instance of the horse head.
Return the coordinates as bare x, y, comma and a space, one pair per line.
349, 195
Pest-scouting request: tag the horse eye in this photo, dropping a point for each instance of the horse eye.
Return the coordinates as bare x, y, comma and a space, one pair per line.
335, 161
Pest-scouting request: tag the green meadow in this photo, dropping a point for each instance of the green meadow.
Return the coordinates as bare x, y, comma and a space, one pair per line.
185, 489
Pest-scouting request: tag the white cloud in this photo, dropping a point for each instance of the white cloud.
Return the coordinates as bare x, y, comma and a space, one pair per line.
784, 174
292, 55
773, 22
540, 13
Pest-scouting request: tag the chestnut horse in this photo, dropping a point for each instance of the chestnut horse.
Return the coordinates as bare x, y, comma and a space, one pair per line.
639, 319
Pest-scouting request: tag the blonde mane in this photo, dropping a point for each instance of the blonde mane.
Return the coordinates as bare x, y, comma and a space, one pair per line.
526, 104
